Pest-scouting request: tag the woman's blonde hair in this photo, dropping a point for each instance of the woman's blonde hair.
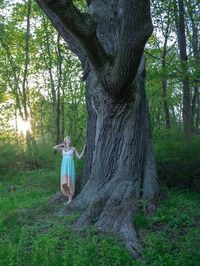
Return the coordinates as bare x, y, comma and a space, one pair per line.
67, 137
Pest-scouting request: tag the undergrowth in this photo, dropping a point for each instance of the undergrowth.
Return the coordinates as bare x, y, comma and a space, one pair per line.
32, 234
171, 236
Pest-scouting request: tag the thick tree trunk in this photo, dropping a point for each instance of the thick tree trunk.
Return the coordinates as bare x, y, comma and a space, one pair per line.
119, 169
120, 163
91, 129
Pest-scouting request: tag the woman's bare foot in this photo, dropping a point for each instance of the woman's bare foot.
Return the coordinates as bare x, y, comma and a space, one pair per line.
69, 201
66, 203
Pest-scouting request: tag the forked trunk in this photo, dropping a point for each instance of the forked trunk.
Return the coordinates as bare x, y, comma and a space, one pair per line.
120, 164
119, 168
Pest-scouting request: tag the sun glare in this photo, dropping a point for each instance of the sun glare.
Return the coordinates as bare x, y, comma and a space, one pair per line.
21, 125
24, 126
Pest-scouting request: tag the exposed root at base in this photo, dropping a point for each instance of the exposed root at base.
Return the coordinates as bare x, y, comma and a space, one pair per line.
113, 218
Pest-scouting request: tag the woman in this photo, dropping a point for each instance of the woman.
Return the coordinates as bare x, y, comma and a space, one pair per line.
67, 181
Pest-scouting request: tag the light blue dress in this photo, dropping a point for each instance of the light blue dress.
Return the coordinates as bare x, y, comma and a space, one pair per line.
68, 171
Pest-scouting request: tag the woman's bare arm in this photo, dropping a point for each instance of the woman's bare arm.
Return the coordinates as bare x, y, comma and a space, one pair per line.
79, 156
59, 146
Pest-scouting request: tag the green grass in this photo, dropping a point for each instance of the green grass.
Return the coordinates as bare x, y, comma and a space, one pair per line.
31, 233
172, 235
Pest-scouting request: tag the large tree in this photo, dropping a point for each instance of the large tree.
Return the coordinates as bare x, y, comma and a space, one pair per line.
119, 166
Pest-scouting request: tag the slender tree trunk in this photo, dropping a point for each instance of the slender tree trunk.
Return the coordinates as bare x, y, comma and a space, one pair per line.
166, 106
29, 138
59, 71
15, 83
166, 34
187, 107
164, 90
24, 83
196, 53
55, 96
41, 125
62, 131
197, 123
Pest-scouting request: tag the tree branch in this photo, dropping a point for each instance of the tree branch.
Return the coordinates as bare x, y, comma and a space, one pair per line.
115, 72
64, 15
136, 29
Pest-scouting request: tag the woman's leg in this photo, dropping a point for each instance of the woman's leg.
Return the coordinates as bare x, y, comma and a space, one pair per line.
70, 197
68, 189
71, 185
65, 190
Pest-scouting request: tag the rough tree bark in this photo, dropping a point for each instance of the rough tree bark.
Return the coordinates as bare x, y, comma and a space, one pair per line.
119, 166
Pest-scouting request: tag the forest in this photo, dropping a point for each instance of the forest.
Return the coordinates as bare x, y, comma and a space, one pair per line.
123, 78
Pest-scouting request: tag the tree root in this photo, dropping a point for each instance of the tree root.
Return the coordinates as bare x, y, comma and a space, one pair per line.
113, 218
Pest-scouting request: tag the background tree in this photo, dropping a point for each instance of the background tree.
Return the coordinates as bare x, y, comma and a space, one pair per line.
180, 26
